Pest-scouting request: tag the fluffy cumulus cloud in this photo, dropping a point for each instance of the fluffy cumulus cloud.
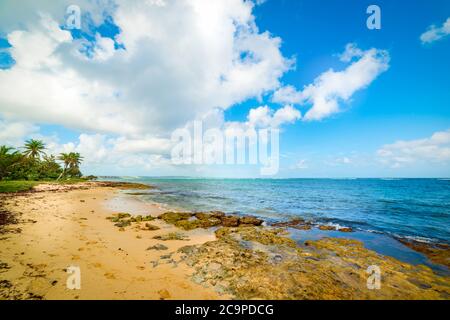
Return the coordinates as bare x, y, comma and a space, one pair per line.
435, 149
169, 63
331, 88
173, 61
435, 33
265, 117
12, 132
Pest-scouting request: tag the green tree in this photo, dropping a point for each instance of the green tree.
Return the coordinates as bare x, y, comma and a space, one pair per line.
9, 159
48, 168
34, 149
72, 162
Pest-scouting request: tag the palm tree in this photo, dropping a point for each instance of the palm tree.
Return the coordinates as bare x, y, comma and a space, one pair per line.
71, 161
65, 158
34, 149
8, 160
75, 159
4, 150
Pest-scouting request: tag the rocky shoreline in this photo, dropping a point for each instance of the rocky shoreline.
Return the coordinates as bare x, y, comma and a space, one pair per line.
251, 261
238, 257
259, 263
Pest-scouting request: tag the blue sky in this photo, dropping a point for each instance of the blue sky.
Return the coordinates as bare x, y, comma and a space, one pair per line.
409, 102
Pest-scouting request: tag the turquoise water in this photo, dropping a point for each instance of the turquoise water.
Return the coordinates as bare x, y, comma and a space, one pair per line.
410, 208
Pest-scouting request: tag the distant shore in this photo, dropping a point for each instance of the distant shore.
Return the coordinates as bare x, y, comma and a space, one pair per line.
124, 251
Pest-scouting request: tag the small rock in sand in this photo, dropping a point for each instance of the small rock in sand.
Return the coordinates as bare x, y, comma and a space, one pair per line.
164, 294
158, 247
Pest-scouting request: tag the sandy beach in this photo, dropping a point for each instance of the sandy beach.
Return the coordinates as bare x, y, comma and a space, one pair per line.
62, 228
179, 256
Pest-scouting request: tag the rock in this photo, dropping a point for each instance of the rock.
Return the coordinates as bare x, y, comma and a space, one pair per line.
154, 263
197, 278
325, 269
230, 221
297, 223
172, 217
419, 284
158, 247
191, 224
250, 220
345, 229
292, 223
151, 227
164, 294
122, 224
217, 214
4, 266
123, 215
172, 236
436, 252
191, 221
148, 218
188, 250
213, 267
327, 228
202, 215
303, 227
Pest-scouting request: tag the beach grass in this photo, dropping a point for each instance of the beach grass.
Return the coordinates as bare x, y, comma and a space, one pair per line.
26, 185
16, 186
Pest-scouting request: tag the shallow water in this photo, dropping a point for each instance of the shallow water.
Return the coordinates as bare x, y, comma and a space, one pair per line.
410, 208
377, 209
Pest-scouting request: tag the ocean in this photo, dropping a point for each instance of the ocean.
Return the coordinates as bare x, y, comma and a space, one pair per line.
417, 209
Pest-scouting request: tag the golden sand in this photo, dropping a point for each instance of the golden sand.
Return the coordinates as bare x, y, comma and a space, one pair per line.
61, 229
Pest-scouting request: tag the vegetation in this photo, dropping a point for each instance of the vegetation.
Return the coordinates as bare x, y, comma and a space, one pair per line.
16, 186
33, 164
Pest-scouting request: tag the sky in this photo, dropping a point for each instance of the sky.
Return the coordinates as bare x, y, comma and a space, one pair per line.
348, 101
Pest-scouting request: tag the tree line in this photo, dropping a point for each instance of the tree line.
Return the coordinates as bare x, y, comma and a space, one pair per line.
31, 162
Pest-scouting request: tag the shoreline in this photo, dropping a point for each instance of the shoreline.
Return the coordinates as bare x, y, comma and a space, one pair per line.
67, 224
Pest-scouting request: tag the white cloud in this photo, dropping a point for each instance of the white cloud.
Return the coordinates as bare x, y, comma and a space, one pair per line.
182, 59
332, 87
265, 117
12, 133
435, 149
435, 33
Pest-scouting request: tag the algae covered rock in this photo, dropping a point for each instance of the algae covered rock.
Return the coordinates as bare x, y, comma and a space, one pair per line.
158, 247
173, 217
250, 221
256, 263
327, 228
296, 223
172, 236
123, 223
151, 227
190, 221
230, 221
